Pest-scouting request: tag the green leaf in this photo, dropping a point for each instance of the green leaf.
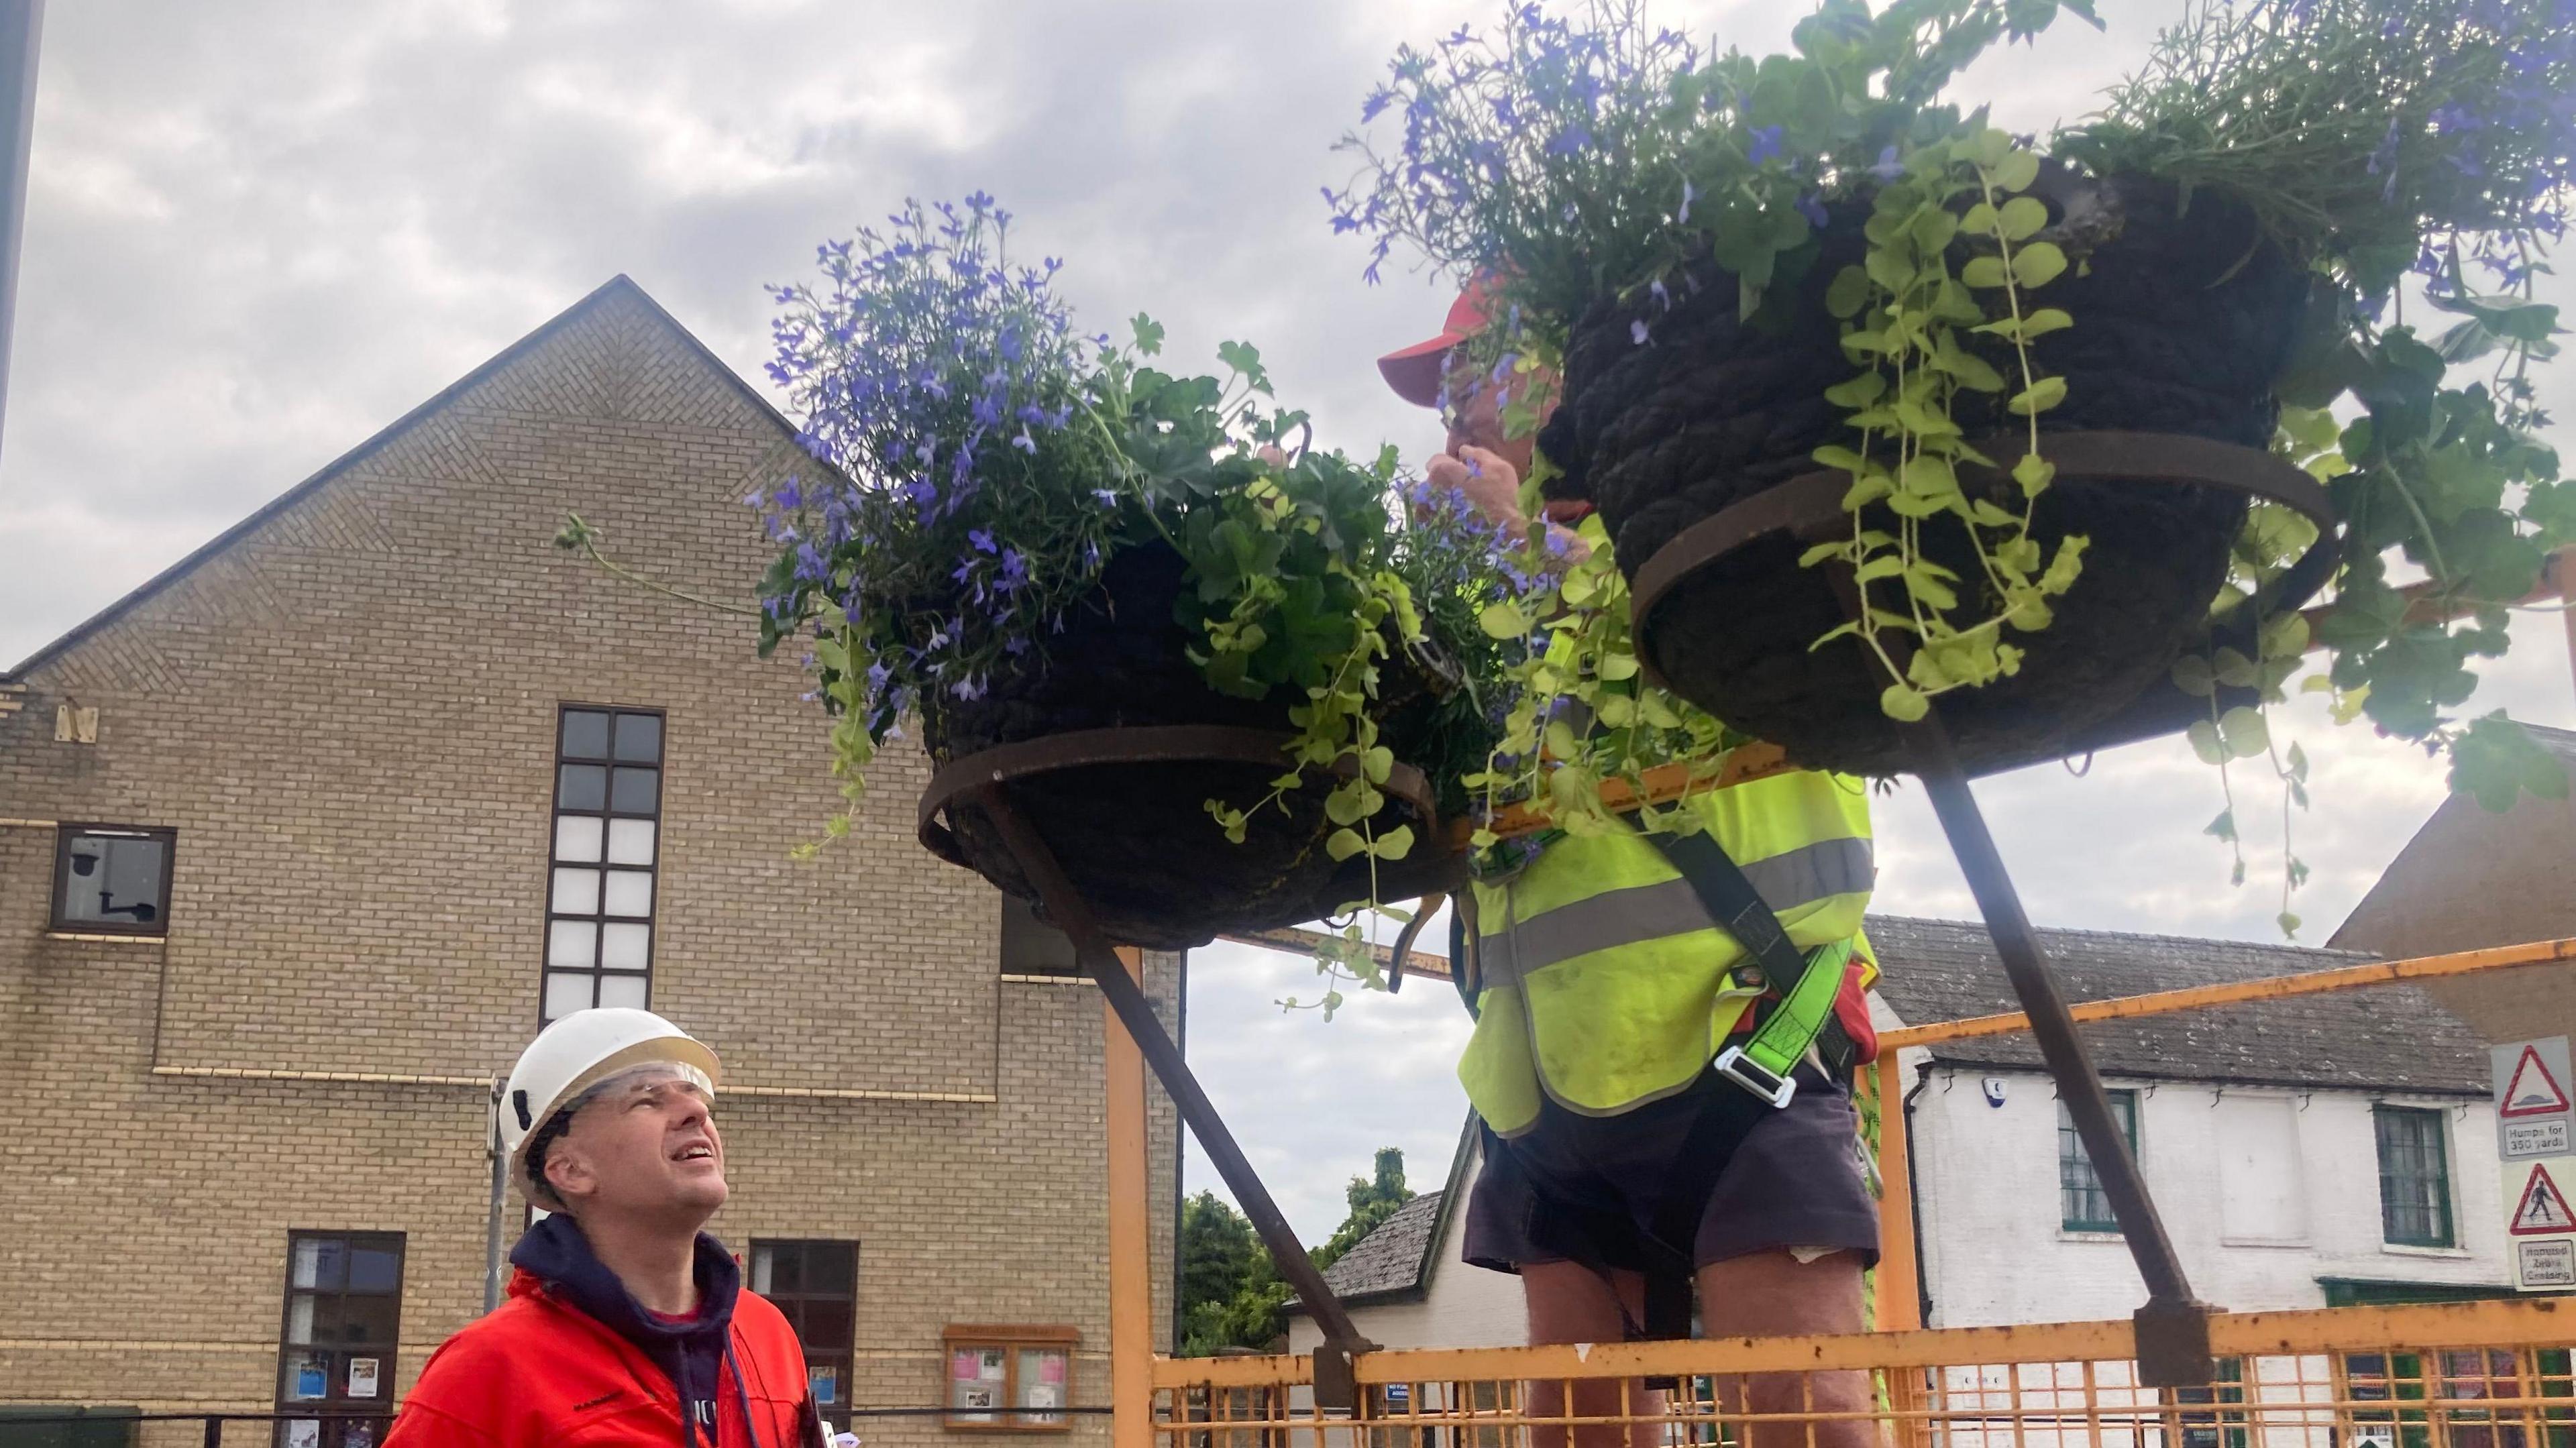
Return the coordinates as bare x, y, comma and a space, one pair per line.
1980, 220
1343, 844
2039, 263
1983, 271
2285, 635
2034, 473
1833, 456
2044, 321
2023, 216
2205, 742
2244, 732
1504, 621
1889, 270
2233, 669
1396, 843
1903, 703
2289, 924
1376, 764
1149, 334
2039, 396
2015, 172
1346, 806
1861, 391
1619, 666
2192, 675
2223, 827
1848, 293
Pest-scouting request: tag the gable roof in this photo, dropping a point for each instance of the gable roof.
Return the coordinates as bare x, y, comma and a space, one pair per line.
2386, 1038
1393, 1262
620, 285
1391, 1256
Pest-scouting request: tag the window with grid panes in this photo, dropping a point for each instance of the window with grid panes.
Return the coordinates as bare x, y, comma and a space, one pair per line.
1009, 1379
816, 1285
2082, 1204
343, 1325
2414, 1177
607, 842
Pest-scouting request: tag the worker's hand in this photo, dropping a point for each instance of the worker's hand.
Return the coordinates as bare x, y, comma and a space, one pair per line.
1491, 486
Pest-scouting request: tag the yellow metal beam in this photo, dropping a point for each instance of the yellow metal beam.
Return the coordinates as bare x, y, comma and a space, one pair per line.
1131, 1272
2503, 1324
2275, 987
1898, 1304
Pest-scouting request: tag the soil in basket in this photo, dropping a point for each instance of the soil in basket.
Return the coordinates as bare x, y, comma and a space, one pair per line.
2182, 326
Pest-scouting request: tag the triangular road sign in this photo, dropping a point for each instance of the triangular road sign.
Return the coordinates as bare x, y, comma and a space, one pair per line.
2532, 1091
2542, 1212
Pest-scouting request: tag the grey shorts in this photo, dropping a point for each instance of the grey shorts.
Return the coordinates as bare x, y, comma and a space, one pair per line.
1793, 1177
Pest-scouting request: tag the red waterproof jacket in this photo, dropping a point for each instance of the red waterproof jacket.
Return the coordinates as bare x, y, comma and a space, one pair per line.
538, 1372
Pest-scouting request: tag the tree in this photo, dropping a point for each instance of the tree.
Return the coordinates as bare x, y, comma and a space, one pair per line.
1373, 1199
1231, 1295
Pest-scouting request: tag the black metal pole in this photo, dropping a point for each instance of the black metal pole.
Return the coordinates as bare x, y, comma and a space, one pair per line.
2173, 1328
1100, 959
22, 28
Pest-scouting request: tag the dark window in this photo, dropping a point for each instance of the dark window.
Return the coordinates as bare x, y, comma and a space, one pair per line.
1030, 946
2414, 1178
112, 879
607, 843
2082, 1205
817, 1285
343, 1327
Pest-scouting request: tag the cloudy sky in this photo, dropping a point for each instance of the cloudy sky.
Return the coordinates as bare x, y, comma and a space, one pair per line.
259, 231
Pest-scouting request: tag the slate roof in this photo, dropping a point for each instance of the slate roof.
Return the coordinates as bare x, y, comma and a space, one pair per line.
2383, 1038
1389, 1259
2561, 742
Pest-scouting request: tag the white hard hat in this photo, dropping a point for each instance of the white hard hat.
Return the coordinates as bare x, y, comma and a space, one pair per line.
578, 1052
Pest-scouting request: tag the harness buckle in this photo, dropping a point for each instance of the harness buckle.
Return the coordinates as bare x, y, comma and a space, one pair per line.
1757, 1078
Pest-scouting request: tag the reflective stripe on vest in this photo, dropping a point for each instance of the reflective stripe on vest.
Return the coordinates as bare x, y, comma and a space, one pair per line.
1604, 983
1641, 913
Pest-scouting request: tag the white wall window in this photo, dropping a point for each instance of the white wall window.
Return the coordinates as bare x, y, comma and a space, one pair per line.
607, 845
2265, 1200
2414, 1177
2082, 1205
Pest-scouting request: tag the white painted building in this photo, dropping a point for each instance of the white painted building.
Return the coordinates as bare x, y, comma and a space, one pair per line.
2303, 1152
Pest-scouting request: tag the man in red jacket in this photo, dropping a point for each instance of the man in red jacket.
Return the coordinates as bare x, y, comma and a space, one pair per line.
626, 1323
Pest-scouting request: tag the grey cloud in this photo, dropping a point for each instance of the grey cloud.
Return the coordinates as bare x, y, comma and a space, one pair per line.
262, 230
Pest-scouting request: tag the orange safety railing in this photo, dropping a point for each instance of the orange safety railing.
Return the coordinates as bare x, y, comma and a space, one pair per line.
2453, 1375
2493, 1374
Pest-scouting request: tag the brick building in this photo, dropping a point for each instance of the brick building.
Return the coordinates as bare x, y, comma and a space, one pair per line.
300, 841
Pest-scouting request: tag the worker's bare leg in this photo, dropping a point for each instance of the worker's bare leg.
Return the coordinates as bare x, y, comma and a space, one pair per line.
1569, 1303
1773, 1294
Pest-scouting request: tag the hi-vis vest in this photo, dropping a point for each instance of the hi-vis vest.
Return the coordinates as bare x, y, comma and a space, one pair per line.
1602, 982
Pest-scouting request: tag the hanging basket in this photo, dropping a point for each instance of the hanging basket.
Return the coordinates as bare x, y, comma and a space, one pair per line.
1697, 449
1110, 752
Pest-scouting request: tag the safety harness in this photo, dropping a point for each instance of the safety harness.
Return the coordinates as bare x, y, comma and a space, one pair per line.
1800, 1020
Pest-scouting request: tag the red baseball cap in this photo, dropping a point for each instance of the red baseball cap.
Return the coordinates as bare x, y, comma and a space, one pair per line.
1417, 372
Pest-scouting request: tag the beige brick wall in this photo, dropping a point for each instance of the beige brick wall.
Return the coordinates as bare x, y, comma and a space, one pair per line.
348, 715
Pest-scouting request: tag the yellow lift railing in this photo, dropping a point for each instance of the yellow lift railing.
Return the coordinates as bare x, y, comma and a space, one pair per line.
2456, 1375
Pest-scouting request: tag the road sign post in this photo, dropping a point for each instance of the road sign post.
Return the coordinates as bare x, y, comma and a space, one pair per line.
2533, 1116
